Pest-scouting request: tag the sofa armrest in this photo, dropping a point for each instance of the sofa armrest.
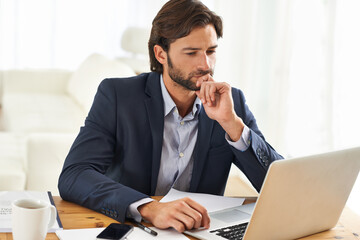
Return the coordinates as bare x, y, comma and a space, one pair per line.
46, 154
35, 81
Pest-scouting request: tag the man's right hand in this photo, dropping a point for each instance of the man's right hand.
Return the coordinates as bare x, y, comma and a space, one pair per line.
182, 214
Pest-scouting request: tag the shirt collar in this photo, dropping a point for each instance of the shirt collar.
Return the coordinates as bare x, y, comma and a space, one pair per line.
169, 104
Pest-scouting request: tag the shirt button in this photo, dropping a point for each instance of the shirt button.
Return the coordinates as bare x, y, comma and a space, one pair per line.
182, 122
181, 154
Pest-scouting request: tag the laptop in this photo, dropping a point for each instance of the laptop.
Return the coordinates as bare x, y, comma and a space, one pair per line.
299, 197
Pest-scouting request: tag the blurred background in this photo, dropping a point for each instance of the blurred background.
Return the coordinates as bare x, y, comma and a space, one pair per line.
297, 61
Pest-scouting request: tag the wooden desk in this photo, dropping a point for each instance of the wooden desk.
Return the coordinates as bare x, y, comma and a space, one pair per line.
74, 216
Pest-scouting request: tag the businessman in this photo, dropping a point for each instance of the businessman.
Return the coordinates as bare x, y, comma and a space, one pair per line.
175, 127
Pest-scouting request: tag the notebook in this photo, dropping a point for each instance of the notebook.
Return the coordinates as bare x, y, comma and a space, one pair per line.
299, 197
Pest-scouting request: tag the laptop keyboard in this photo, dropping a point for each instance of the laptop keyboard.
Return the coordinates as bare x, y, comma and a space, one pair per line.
232, 232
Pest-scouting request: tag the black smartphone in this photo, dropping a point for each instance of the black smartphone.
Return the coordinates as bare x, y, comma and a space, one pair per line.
115, 231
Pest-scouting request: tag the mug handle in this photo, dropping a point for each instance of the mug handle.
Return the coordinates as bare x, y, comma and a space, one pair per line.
52, 216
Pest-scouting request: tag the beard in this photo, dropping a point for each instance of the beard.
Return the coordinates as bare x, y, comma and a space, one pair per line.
179, 77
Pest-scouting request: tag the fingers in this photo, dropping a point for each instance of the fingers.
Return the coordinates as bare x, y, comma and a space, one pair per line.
206, 78
193, 214
190, 215
177, 225
206, 94
209, 91
205, 218
183, 214
185, 222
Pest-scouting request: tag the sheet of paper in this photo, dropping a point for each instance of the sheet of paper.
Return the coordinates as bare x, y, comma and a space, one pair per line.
137, 233
162, 234
211, 202
84, 234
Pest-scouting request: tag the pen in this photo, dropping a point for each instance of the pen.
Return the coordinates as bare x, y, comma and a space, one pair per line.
145, 228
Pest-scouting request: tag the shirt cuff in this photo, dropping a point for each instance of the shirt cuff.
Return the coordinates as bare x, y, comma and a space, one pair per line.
243, 143
133, 211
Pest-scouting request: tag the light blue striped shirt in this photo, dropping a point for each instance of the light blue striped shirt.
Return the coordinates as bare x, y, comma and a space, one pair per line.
179, 140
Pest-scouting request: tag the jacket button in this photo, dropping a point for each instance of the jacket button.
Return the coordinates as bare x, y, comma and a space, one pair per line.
266, 163
258, 151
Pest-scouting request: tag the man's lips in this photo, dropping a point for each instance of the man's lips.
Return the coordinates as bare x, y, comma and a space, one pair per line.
198, 76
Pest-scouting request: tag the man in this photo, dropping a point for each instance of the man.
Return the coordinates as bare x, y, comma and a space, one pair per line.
174, 127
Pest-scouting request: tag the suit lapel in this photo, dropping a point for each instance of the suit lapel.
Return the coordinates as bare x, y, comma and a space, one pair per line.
202, 146
155, 111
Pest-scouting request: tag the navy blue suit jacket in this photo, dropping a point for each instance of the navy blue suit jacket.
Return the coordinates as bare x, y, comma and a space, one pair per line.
115, 159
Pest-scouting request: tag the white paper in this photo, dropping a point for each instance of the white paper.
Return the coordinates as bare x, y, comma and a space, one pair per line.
7, 197
211, 202
137, 233
74, 234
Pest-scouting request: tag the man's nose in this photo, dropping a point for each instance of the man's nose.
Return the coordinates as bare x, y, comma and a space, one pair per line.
204, 63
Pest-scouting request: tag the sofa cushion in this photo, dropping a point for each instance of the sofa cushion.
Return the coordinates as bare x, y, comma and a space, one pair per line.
12, 162
35, 81
28, 113
135, 40
85, 80
46, 154
12, 176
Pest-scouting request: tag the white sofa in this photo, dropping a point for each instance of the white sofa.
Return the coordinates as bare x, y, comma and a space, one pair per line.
12, 162
36, 101
135, 43
32, 162
45, 155
41, 113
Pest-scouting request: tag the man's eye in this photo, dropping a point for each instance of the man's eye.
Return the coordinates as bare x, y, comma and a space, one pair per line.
191, 53
211, 52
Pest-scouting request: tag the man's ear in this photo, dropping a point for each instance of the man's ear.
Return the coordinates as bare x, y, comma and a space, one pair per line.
160, 54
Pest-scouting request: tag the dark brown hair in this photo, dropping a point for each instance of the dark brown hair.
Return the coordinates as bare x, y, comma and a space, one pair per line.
176, 19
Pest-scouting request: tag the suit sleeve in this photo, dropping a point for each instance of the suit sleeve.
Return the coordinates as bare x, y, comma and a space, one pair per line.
83, 178
255, 161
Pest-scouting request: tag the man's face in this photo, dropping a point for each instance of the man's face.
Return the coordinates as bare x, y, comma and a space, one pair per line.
192, 57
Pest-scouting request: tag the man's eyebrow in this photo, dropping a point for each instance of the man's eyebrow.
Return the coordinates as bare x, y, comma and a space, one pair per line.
215, 46
195, 49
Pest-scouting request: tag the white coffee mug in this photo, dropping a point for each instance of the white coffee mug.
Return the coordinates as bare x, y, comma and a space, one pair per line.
31, 219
